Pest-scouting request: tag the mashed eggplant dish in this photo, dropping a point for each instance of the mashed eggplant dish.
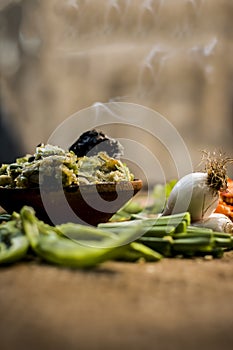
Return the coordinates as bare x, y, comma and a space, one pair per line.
52, 165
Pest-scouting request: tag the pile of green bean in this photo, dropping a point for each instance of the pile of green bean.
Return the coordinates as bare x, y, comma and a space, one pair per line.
173, 235
23, 236
70, 245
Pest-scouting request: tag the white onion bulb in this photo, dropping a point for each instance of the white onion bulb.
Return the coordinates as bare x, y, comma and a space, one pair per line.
198, 193
192, 193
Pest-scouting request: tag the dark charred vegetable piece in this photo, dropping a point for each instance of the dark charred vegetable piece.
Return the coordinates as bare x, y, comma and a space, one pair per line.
92, 142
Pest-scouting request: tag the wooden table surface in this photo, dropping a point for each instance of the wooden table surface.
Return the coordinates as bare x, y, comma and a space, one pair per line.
171, 304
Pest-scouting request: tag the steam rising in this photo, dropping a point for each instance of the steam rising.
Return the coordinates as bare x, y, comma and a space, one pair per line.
58, 57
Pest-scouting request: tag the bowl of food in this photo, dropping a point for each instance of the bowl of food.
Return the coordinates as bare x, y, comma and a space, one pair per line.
64, 185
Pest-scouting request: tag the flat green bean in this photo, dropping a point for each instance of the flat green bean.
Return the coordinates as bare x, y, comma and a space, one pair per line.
136, 251
65, 252
15, 252
160, 245
13, 244
84, 233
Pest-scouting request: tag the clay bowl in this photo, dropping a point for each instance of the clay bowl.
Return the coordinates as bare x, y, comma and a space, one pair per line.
86, 204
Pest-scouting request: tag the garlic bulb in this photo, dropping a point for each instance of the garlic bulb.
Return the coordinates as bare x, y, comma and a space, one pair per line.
217, 222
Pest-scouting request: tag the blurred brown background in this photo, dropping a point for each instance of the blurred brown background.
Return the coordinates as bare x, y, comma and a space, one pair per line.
57, 57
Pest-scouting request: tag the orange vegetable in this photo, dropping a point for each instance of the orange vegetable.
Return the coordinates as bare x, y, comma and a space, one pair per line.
225, 205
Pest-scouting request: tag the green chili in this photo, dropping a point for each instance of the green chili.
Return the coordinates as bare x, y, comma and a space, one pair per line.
13, 244
65, 252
